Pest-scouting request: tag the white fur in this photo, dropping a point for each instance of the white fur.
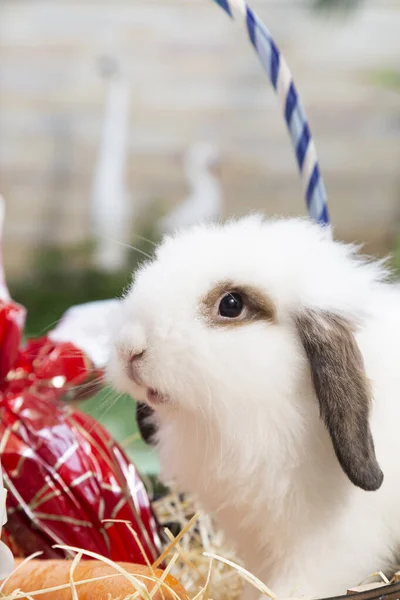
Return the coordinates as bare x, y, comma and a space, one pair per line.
242, 427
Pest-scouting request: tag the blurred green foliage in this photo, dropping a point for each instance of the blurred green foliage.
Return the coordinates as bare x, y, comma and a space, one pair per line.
336, 6
387, 78
396, 255
60, 277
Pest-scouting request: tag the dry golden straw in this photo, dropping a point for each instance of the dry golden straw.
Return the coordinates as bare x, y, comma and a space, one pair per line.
198, 557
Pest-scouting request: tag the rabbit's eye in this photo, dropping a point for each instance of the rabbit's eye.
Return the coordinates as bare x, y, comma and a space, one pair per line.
231, 306
241, 305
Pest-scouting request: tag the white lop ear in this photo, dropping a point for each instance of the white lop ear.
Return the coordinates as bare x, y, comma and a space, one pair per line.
343, 392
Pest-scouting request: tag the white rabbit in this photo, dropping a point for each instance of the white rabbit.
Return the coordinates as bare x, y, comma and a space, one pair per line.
269, 358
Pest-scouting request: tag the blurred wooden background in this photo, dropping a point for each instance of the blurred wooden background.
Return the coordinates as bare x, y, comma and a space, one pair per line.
194, 76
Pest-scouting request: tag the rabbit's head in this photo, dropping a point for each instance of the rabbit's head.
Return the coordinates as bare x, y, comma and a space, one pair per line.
254, 322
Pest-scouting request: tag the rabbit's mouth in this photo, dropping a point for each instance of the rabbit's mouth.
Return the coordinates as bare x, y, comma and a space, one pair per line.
148, 394
154, 397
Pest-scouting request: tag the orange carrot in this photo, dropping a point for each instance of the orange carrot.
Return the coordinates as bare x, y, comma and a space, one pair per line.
36, 575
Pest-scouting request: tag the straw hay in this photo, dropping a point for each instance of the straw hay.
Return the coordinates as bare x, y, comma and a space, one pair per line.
222, 582
198, 557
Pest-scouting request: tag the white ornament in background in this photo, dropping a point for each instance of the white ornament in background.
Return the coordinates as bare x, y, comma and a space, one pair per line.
111, 210
205, 202
6, 557
4, 293
87, 326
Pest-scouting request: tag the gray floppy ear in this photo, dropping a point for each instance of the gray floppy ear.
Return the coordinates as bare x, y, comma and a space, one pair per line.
343, 392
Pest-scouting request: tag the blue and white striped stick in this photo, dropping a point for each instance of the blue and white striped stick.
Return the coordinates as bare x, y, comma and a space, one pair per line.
281, 78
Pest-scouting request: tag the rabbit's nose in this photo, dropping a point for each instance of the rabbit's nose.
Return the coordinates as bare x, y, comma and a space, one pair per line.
135, 356
133, 366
